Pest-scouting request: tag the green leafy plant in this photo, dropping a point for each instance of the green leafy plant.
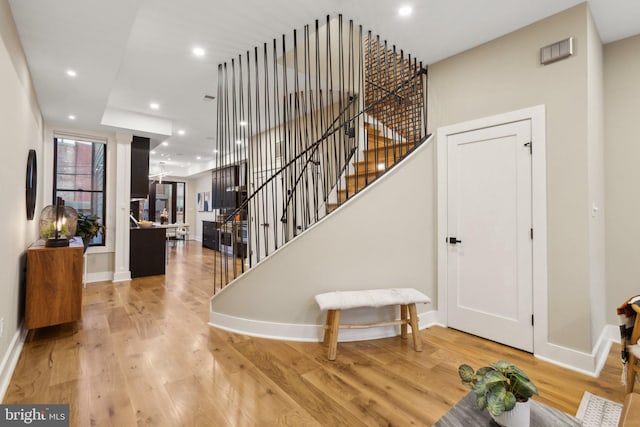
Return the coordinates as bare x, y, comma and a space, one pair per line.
48, 230
88, 226
498, 386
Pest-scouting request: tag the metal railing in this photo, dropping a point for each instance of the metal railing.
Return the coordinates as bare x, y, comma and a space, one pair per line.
301, 128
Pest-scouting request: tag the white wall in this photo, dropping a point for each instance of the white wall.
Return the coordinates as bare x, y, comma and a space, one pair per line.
505, 75
622, 174
595, 154
199, 184
22, 129
381, 238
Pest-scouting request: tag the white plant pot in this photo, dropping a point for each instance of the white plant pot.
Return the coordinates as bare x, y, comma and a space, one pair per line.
517, 417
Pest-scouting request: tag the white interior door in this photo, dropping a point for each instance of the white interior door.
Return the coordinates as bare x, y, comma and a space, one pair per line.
489, 259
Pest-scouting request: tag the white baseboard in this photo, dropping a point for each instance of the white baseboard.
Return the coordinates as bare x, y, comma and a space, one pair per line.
121, 276
308, 333
10, 360
101, 276
271, 330
586, 363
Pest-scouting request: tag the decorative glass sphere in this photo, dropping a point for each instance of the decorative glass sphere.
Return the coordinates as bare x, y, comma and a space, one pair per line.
66, 225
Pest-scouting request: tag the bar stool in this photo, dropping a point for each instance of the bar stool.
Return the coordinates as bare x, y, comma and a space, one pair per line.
634, 352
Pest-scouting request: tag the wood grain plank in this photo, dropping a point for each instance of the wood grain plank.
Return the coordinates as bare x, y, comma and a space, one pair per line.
143, 354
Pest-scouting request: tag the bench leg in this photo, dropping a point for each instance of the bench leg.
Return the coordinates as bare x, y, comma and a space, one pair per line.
403, 317
413, 318
327, 327
333, 334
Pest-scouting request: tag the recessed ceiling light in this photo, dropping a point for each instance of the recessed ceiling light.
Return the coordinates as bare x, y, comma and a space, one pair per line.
198, 51
153, 151
165, 143
154, 105
243, 123
238, 142
181, 132
215, 151
405, 10
71, 73
72, 117
198, 158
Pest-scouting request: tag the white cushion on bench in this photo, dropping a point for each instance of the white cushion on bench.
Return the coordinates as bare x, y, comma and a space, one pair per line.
342, 300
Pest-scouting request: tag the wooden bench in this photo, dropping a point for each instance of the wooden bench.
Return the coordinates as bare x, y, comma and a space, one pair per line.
334, 302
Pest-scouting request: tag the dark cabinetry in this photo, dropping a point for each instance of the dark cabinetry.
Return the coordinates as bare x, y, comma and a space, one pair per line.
139, 167
210, 235
224, 189
147, 251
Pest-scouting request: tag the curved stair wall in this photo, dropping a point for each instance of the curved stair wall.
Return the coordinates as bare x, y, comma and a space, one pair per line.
382, 237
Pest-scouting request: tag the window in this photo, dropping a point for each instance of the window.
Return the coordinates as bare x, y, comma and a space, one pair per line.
167, 195
80, 178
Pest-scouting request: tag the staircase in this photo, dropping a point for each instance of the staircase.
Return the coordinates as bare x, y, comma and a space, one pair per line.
314, 123
397, 117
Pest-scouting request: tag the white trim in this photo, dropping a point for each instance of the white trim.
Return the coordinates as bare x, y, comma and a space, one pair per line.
586, 363
539, 213
121, 276
308, 333
100, 276
10, 359
609, 335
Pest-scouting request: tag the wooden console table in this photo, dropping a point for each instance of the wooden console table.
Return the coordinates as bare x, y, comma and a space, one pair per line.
54, 284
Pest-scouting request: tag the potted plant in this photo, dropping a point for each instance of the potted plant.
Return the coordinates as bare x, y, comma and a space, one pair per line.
88, 228
503, 390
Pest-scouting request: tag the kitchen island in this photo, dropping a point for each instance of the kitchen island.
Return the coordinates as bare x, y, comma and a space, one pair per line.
147, 251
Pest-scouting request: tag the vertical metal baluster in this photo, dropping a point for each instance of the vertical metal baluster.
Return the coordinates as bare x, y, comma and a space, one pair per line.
253, 168
297, 136
226, 153
286, 221
423, 81
219, 137
311, 130
389, 110
361, 102
277, 146
379, 116
369, 100
350, 93
324, 108
306, 139
331, 112
415, 115
317, 120
236, 151
396, 102
244, 137
266, 153
258, 151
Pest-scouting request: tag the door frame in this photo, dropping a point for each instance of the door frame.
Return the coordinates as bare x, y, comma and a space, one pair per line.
538, 210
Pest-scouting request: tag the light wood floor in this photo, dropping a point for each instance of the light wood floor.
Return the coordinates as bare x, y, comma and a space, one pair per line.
144, 355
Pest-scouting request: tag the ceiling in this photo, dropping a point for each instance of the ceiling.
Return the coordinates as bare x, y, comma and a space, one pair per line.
130, 53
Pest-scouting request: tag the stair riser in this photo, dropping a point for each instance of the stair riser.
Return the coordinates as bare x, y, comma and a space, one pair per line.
354, 185
382, 155
362, 168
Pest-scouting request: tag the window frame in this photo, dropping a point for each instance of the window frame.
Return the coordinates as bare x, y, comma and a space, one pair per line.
92, 140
